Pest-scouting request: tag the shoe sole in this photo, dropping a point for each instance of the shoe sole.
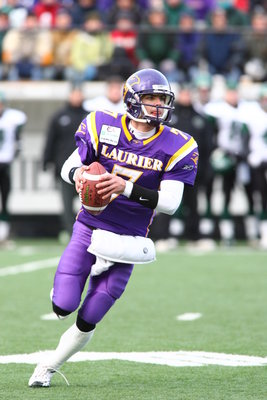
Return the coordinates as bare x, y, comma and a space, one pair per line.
39, 384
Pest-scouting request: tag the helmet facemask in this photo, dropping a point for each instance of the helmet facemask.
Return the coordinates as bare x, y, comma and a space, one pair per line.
162, 110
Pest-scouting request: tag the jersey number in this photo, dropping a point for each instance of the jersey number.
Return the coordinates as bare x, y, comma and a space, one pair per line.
129, 173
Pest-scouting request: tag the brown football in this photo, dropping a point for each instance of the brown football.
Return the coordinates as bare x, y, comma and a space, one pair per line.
91, 201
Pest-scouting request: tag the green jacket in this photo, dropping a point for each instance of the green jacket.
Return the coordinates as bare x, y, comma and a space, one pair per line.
156, 46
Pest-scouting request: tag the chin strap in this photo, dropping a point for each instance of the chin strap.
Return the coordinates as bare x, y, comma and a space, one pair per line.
155, 124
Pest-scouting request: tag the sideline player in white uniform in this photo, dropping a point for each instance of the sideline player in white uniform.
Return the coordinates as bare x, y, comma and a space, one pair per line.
11, 123
255, 114
229, 158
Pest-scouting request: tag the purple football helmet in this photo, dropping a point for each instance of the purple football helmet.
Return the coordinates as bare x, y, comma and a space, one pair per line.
147, 82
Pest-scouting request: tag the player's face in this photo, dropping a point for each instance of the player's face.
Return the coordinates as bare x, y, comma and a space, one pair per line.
231, 96
76, 98
184, 97
204, 95
151, 101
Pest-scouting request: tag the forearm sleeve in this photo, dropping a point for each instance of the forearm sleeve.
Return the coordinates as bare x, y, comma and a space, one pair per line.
170, 196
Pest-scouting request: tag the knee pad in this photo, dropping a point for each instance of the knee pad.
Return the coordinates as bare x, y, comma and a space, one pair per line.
60, 313
84, 326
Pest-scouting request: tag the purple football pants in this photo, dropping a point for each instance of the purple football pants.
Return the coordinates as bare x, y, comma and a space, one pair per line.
71, 275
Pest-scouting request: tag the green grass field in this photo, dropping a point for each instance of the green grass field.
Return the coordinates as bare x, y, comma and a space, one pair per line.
226, 286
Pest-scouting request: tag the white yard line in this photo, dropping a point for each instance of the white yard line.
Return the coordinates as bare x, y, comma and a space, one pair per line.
170, 358
29, 267
188, 316
49, 317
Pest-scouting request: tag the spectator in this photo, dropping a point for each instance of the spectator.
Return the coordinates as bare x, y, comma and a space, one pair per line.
223, 51
187, 45
8, 6
11, 123
27, 52
125, 35
173, 10
46, 11
201, 9
124, 38
256, 47
16, 13
242, 5
111, 101
254, 4
155, 48
234, 16
128, 6
62, 37
59, 144
80, 10
91, 51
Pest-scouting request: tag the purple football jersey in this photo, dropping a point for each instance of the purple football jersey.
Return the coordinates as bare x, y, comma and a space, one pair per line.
168, 155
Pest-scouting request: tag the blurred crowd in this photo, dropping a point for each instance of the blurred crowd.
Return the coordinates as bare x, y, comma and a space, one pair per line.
87, 40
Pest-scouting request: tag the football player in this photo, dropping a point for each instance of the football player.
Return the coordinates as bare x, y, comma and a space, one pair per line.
148, 164
229, 157
255, 114
11, 123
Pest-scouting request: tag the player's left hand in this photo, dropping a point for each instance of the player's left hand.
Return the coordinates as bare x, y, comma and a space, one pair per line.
110, 184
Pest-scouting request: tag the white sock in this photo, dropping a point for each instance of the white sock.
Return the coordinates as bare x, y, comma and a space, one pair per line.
251, 227
263, 234
4, 230
226, 227
70, 343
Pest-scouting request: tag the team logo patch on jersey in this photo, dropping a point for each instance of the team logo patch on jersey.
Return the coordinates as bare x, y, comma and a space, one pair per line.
195, 157
188, 167
110, 134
